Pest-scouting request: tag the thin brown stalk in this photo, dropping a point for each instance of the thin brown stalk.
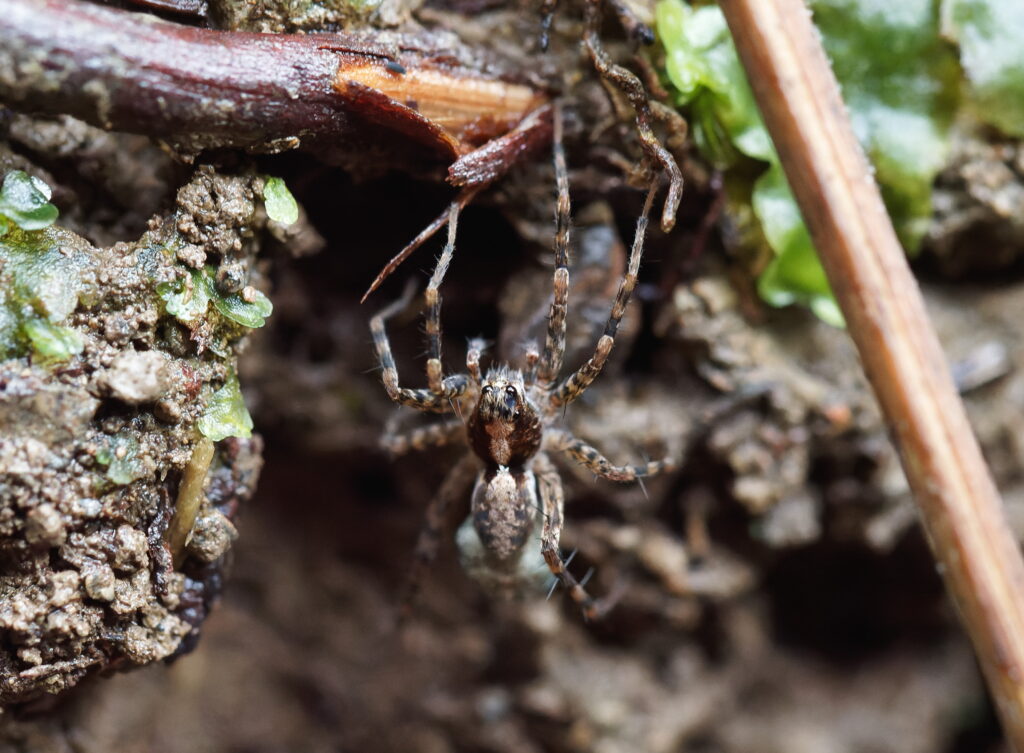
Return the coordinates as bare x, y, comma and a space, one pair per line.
958, 501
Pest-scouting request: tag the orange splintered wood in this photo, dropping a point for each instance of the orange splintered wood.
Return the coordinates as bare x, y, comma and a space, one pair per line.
442, 106
832, 181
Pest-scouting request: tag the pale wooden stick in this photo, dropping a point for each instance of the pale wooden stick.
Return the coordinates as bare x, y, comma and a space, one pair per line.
958, 501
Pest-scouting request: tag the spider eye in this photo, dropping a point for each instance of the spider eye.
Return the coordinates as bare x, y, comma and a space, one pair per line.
510, 391
487, 390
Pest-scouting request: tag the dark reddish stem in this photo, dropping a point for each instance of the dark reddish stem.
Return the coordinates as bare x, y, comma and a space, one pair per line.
203, 88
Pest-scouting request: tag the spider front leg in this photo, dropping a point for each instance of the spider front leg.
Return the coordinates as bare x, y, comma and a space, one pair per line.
552, 499
473, 353
554, 345
531, 358
578, 382
591, 458
441, 391
454, 488
435, 373
628, 83
420, 399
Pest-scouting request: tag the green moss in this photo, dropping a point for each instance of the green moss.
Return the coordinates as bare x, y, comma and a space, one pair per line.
991, 38
43, 276
25, 202
281, 205
51, 342
121, 458
187, 299
250, 314
226, 414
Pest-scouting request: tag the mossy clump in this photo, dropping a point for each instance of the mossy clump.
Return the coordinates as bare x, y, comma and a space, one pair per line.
187, 299
115, 364
42, 275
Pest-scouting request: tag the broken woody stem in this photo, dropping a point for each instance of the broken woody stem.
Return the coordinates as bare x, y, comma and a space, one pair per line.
831, 179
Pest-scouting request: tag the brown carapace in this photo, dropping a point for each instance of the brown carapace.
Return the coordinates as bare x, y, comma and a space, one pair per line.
512, 425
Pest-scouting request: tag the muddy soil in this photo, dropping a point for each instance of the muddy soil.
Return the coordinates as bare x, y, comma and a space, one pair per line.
773, 594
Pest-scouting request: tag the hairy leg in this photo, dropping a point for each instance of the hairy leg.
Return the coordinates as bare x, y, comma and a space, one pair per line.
473, 353
432, 296
588, 456
464, 197
456, 485
421, 399
554, 345
578, 382
420, 438
531, 359
634, 90
552, 499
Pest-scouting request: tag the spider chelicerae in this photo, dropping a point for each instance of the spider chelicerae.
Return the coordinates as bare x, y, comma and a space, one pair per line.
511, 420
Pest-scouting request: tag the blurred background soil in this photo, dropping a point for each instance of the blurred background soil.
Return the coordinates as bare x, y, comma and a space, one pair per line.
777, 594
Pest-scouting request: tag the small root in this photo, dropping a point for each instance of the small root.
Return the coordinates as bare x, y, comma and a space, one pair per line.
190, 499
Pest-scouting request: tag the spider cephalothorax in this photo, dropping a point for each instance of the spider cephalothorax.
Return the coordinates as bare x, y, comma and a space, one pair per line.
513, 422
505, 427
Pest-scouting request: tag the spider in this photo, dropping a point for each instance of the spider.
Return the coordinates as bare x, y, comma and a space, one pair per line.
511, 426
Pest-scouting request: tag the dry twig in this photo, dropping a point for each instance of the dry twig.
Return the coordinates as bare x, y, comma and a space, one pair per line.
958, 501
376, 99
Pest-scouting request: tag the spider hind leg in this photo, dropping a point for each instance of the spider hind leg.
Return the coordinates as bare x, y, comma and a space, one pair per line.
552, 498
454, 487
591, 458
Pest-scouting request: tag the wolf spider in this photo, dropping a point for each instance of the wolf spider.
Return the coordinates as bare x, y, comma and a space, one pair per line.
513, 421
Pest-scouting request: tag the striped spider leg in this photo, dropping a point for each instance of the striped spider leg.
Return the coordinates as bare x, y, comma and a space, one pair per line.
512, 426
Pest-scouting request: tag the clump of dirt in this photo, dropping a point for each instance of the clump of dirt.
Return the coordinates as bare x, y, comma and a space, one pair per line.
94, 438
979, 203
316, 15
773, 594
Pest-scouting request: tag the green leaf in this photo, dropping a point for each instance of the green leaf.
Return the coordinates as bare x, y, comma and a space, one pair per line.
247, 313
226, 414
121, 457
25, 200
51, 342
186, 298
900, 84
702, 64
991, 38
42, 271
795, 275
43, 276
281, 205
9, 334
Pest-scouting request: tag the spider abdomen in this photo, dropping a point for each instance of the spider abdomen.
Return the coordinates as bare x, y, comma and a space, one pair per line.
502, 510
